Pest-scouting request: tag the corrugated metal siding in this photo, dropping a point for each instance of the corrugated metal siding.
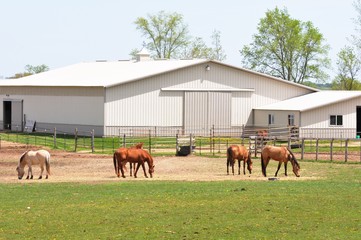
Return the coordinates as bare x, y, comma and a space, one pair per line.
142, 103
319, 118
196, 110
280, 117
219, 107
59, 105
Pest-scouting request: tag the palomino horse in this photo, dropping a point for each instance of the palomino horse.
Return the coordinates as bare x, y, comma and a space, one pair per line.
41, 157
281, 154
241, 154
132, 155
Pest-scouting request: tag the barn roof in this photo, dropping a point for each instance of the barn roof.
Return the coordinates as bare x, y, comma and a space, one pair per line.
312, 100
107, 74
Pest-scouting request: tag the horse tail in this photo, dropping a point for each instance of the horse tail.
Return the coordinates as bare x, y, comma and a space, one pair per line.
47, 163
229, 156
115, 163
263, 165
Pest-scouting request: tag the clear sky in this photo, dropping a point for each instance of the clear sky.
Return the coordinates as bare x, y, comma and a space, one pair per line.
58, 33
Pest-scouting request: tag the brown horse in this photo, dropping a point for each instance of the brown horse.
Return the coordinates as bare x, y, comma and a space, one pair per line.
132, 166
281, 154
132, 155
241, 154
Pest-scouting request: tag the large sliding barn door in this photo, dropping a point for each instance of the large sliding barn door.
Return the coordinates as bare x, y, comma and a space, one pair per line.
203, 110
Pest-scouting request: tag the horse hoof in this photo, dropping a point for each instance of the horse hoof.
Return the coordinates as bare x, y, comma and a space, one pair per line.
46, 177
31, 177
40, 177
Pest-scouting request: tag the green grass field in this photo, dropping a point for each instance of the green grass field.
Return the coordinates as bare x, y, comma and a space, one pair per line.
328, 208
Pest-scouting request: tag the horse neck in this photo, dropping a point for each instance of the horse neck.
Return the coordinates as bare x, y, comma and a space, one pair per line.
149, 161
22, 160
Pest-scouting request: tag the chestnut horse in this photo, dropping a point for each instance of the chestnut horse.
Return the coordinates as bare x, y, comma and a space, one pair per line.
132, 155
132, 166
281, 154
241, 154
40, 157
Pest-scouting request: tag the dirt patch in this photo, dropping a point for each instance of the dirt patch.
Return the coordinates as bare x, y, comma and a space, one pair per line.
95, 168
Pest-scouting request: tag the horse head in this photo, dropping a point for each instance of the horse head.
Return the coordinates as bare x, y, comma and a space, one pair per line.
151, 170
20, 171
295, 165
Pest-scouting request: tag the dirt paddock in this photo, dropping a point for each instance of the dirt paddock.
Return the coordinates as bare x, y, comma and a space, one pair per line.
95, 168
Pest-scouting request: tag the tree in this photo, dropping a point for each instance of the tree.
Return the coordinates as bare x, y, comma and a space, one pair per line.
197, 48
168, 37
166, 32
36, 69
218, 52
287, 48
348, 66
30, 70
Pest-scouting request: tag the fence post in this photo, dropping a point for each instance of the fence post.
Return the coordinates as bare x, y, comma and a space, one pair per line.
150, 141
346, 149
317, 139
176, 144
92, 132
331, 149
124, 141
190, 143
75, 139
303, 148
55, 137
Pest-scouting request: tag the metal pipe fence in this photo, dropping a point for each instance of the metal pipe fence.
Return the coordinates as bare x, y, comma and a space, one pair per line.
333, 149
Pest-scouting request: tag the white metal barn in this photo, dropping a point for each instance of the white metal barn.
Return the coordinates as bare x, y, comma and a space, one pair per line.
108, 96
323, 114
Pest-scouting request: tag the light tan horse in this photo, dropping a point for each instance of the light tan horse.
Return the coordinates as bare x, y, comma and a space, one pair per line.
280, 154
30, 158
241, 154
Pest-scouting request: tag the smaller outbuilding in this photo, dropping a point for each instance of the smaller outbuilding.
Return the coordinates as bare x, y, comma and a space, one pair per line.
323, 114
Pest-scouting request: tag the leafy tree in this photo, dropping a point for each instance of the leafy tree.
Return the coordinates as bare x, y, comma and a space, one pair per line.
287, 48
166, 32
197, 48
36, 69
218, 52
30, 70
348, 66
168, 37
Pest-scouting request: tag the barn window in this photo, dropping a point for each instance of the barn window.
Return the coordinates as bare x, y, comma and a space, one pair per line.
336, 120
291, 120
271, 119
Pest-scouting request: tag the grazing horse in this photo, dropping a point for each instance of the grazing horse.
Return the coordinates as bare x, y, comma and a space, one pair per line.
281, 154
241, 154
132, 155
132, 166
40, 157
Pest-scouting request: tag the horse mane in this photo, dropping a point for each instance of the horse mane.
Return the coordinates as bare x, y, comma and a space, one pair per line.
22, 156
293, 157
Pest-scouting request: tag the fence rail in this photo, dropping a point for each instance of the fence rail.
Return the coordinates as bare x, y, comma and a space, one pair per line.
333, 149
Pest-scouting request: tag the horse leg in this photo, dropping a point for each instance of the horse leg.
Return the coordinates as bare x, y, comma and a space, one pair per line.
145, 174
285, 168
131, 166
30, 173
41, 172
239, 167
244, 166
136, 171
278, 168
233, 166
120, 165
